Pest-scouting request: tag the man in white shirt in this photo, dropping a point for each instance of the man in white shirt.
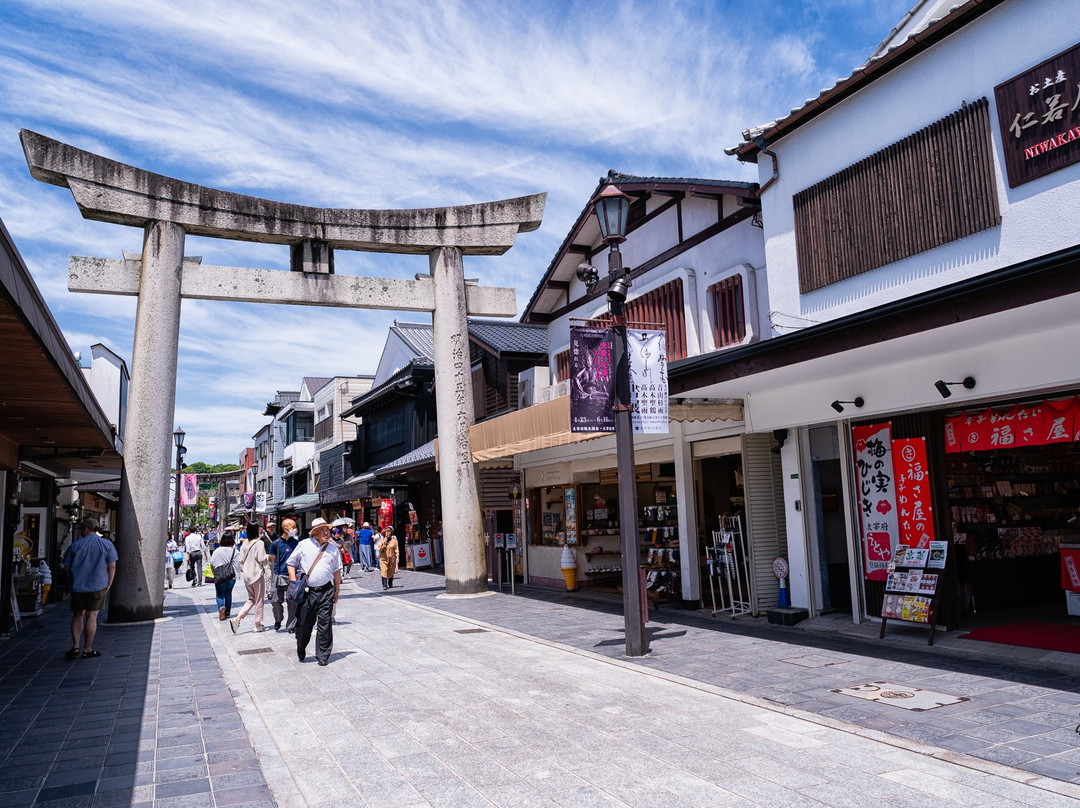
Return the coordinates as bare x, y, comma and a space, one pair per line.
195, 549
323, 587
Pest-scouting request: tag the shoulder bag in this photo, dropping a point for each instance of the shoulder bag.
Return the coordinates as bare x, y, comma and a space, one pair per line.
226, 571
297, 591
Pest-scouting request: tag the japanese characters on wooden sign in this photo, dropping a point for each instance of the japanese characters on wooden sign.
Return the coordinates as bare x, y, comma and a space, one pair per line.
913, 493
1039, 424
1039, 116
875, 477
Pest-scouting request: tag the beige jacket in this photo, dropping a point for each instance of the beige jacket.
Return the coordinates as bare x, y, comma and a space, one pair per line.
254, 560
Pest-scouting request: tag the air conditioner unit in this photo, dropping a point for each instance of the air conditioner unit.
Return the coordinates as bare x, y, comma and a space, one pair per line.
544, 395
530, 382
562, 389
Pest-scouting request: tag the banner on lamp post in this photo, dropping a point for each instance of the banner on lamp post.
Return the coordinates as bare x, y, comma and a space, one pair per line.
647, 352
592, 380
189, 489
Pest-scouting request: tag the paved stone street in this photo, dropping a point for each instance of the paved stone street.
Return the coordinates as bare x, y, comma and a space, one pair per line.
506, 701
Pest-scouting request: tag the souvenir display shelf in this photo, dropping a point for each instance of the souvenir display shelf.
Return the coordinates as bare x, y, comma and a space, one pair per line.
912, 586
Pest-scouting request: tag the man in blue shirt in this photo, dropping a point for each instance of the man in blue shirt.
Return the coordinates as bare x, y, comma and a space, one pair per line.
91, 563
363, 547
280, 550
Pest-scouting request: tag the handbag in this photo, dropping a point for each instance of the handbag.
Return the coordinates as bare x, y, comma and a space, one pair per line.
189, 575
297, 591
226, 572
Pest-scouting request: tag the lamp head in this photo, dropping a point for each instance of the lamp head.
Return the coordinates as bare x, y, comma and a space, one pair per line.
836, 405
178, 437
943, 388
588, 275
612, 208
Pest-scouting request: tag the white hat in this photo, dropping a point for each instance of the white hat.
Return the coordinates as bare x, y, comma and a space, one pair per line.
319, 522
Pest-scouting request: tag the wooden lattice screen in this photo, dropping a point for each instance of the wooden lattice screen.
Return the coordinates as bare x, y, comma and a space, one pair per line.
933, 187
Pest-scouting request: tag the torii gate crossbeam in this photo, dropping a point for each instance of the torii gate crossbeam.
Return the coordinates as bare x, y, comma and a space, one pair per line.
167, 210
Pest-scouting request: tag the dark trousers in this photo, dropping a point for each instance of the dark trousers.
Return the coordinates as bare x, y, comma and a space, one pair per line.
196, 569
279, 603
318, 606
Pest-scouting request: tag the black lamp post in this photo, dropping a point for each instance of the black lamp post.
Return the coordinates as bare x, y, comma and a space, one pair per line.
612, 208
178, 439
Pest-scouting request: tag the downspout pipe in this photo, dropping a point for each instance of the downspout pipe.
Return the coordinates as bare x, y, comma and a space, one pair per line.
760, 141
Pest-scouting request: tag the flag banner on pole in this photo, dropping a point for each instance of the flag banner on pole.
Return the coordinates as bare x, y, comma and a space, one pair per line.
592, 380
647, 351
189, 489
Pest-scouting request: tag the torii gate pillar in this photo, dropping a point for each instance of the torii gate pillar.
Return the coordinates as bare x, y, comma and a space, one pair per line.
463, 545
167, 209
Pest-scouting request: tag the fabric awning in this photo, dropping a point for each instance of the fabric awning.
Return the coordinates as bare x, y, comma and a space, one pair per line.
546, 425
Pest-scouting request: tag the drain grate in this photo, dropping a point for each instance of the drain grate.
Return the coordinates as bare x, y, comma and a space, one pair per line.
470, 631
248, 651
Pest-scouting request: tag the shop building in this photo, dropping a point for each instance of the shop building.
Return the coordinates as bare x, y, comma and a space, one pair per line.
923, 278
53, 430
697, 254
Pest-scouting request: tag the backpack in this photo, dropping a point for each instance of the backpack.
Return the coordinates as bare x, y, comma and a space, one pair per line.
226, 572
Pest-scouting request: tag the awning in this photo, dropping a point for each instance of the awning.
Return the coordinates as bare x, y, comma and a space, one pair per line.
356, 487
300, 503
546, 425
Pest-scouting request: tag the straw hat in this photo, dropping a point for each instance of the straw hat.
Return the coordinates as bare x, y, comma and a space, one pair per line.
319, 522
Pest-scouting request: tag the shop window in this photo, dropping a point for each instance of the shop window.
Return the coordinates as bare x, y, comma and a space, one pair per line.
931, 188
729, 312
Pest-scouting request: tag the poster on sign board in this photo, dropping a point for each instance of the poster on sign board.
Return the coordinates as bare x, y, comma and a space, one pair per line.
876, 482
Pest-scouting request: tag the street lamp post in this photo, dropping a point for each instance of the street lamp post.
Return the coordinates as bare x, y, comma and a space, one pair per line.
612, 208
178, 439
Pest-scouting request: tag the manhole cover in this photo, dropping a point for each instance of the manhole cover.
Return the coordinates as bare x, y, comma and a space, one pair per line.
470, 631
903, 696
812, 661
248, 651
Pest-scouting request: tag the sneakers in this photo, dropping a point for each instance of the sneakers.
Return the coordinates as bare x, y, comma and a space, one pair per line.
259, 627
234, 624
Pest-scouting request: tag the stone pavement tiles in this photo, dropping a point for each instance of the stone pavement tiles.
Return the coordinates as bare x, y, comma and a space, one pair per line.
1024, 704
150, 722
419, 707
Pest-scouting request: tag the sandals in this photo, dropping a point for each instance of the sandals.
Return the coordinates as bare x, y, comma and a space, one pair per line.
91, 654
72, 654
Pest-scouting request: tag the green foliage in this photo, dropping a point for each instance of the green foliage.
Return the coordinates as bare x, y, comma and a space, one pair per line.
205, 468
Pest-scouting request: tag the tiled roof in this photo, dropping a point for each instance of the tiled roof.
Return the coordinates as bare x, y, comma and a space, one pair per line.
419, 456
510, 337
880, 62
417, 336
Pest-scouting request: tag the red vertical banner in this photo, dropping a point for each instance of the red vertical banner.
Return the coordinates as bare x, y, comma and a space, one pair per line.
1059, 422
913, 492
876, 482
954, 430
386, 513
1029, 424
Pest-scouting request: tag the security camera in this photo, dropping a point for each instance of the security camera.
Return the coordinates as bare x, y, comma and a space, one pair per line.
618, 290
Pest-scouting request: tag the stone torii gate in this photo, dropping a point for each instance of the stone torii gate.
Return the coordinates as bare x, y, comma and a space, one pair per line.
168, 209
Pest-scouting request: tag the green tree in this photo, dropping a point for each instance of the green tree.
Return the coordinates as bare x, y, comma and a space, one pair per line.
205, 468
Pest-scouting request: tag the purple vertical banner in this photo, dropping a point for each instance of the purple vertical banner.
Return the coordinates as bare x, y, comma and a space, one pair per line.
592, 380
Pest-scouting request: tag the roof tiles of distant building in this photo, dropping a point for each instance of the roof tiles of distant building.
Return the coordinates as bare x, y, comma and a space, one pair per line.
315, 383
418, 336
510, 337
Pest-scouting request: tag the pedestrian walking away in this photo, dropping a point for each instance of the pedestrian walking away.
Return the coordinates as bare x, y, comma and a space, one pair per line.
319, 559
254, 561
280, 551
195, 549
91, 564
364, 541
225, 562
388, 558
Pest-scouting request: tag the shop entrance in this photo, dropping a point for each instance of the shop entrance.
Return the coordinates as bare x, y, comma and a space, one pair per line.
720, 494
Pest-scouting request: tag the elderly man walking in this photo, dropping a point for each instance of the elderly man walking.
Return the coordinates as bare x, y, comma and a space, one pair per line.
91, 562
320, 560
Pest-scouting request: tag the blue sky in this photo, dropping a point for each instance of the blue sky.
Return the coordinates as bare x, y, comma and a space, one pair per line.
379, 105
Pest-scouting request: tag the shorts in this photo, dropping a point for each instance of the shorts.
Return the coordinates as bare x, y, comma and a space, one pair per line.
88, 601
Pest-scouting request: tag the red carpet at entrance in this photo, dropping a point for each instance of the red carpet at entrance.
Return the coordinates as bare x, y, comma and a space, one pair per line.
1051, 636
